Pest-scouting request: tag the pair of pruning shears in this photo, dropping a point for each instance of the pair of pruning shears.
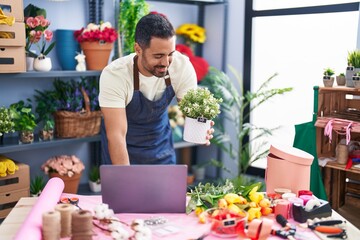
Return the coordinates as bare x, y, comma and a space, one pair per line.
328, 227
74, 201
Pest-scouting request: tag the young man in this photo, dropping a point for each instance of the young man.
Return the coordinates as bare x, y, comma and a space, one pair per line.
135, 92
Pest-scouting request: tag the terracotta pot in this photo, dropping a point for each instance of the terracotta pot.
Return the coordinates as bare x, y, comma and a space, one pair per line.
97, 54
71, 183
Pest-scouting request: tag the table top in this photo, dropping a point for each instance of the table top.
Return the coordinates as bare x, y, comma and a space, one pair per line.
187, 226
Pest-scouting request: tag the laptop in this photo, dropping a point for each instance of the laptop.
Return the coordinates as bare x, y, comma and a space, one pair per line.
144, 188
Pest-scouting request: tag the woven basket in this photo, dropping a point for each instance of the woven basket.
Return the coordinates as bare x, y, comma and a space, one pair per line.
77, 124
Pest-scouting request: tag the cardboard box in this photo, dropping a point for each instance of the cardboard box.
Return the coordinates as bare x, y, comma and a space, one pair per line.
9, 200
17, 181
13, 8
12, 35
12, 59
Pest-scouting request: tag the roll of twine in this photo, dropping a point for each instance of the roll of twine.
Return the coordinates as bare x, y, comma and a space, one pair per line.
65, 212
51, 225
81, 225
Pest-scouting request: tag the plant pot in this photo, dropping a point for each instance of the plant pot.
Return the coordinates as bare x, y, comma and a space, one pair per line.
97, 54
30, 63
199, 172
46, 135
95, 186
26, 137
340, 80
71, 184
356, 82
42, 64
195, 130
350, 71
328, 81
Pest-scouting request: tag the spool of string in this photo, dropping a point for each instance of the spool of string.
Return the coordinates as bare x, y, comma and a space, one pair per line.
51, 225
81, 225
65, 213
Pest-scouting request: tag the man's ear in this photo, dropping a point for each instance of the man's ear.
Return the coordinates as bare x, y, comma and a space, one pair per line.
137, 49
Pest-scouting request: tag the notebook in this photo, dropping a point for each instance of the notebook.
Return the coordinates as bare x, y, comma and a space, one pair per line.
144, 188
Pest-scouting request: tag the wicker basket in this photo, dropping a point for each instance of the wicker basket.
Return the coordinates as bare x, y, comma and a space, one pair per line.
77, 124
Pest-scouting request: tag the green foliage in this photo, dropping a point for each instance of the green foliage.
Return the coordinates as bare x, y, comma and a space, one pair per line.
236, 107
342, 74
45, 107
37, 185
23, 116
329, 72
130, 13
94, 174
33, 11
200, 102
354, 58
6, 123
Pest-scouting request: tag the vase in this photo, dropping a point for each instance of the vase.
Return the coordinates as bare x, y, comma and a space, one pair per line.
71, 184
46, 135
66, 48
30, 63
42, 64
97, 54
95, 186
26, 137
195, 130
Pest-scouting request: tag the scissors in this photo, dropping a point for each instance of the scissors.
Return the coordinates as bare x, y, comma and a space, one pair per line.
74, 201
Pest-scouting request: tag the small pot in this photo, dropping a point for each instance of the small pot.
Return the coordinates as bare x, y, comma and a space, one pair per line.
95, 186
26, 137
328, 81
42, 64
46, 135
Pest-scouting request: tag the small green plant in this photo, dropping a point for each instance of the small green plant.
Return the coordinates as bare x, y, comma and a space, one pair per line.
329, 72
6, 123
45, 107
94, 174
342, 74
23, 116
354, 58
37, 185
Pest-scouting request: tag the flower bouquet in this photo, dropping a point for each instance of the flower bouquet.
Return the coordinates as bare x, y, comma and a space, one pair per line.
68, 168
96, 42
199, 106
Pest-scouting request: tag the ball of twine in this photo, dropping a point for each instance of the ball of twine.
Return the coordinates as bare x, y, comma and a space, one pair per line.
51, 225
65, 212
81, 225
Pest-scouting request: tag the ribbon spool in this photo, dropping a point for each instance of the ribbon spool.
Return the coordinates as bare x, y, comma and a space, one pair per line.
81, 225
65, 212
51, 225
260, 229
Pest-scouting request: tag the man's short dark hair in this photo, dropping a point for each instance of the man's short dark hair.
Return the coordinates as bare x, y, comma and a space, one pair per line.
153, 25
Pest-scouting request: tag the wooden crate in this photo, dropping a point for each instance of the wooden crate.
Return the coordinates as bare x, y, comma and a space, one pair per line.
19, 180
8, 200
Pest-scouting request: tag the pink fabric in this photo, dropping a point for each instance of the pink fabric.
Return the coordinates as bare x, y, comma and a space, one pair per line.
329, 128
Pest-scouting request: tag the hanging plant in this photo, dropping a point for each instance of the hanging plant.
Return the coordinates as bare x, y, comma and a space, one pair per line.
130, 13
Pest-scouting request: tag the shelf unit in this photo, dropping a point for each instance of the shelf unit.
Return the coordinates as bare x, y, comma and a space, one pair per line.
341, 185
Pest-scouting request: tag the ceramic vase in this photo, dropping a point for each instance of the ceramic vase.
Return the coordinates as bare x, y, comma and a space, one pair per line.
71, 184
195, 130
328, 81
42, 64
97, 54
66, 48
30, 63
95, 186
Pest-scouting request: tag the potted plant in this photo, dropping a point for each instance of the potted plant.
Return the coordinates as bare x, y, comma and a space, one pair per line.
67, 167
327, 78
244, 150
94, 179
6, 123
24, 120
356, 80
340, 79
353, 61
199, 106
37, 184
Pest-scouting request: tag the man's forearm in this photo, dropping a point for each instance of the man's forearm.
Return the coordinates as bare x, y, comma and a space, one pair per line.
118, 154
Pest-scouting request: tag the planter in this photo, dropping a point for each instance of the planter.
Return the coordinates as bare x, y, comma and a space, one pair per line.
328, 81
42, 64
340, 80
199, 172
356, 82
30, 63
350, 71
195, 130
26, 137
95, 186
66, 48
71, 183
46, 135
97, 54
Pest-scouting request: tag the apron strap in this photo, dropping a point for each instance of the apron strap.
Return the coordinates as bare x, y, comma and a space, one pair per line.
136, 75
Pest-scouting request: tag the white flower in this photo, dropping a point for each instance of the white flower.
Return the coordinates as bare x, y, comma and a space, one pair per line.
105, 25
102, 211
92, 26
120, 234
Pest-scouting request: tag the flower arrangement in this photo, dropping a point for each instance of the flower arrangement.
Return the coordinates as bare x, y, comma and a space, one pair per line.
38, 34
176, 117
6, 123
103, 32
192, 33
63, 165
200, 102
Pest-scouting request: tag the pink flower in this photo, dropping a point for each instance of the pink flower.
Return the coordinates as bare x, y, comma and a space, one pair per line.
63, 165
95, 33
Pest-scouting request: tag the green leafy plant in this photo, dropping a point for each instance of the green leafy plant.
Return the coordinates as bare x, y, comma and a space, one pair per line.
94, 174
236, 107
45, 107
6, 123
37, 184
341, 74
23, 116
329, 72
200, 102
354, 58
130, 13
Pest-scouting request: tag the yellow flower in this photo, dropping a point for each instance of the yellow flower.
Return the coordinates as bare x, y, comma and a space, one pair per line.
254, 213
193, 32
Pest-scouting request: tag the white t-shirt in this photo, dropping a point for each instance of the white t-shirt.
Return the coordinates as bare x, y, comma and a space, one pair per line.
117, 84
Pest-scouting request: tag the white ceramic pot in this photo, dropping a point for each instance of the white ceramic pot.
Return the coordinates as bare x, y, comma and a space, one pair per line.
195, 130
30, 63
94, 186
42, 64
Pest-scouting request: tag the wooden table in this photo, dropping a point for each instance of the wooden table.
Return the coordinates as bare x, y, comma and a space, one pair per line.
14, 220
